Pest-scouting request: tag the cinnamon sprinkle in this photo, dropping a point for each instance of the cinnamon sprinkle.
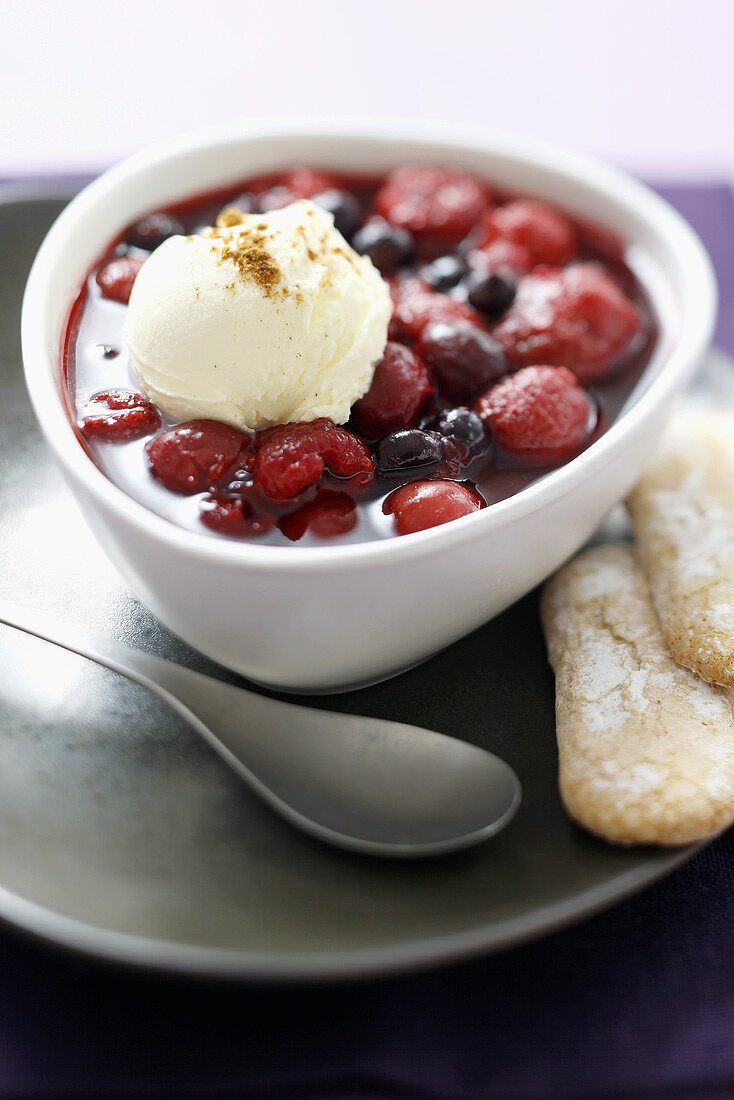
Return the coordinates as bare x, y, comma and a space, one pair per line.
230, 216
246, 249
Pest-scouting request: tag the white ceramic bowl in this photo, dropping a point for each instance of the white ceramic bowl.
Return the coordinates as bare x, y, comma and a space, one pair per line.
322, 619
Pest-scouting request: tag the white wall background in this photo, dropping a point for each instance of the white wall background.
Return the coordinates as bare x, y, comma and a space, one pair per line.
646, 83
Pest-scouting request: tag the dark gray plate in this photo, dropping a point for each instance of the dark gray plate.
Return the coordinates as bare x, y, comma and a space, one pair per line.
123, 835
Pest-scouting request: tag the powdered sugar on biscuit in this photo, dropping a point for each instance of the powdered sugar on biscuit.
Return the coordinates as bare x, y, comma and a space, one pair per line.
682, 513
646, 748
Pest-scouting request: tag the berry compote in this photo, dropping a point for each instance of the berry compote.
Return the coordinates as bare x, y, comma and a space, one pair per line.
516, 337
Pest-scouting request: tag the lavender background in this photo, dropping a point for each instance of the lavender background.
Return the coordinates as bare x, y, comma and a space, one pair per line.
646, 83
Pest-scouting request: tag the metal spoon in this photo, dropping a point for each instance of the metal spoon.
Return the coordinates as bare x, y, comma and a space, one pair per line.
373, 786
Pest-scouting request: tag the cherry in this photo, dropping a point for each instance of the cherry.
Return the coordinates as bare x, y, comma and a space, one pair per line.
462, 359
290, 457
153, 230
409, 450
345, 209
424, 504
232, 515
416, 304
118, 416
438, 206
399, 390
196, 455
547, 234
329, 513
115, 278
389, 247
575, 317
540, 416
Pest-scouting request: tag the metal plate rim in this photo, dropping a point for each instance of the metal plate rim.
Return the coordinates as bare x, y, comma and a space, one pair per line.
187, 959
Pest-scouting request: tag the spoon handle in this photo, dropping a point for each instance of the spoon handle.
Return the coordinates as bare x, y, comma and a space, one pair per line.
237, 713
145, 669
263, 739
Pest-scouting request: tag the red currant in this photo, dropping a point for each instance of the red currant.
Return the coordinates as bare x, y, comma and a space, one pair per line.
115, 278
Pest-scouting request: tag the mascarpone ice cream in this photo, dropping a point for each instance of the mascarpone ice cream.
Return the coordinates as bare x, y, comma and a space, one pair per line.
266, 319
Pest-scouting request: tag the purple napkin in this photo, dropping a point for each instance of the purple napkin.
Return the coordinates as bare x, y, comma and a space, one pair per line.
636, 1002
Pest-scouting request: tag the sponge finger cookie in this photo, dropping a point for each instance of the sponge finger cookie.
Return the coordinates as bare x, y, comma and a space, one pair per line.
682, 513
646, 748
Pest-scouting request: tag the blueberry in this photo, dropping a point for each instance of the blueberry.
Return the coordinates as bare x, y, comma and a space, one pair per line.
409, 450
465, 427
388, 246
345, 208
463, 360
153, 230
489, 292
444, 273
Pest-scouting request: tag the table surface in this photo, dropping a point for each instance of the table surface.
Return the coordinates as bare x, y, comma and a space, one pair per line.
638, 1001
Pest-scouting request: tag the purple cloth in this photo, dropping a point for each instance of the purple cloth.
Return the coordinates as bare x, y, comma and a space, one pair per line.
638, 1001
710, 210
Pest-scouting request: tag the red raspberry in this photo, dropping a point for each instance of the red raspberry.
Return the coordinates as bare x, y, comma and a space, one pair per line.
416, 304
438, 206
118, 416
196, 455
547, 235
328, 514
576, 317
115, 278
232, 516
291, 457
540, 416
423, 504
400, 388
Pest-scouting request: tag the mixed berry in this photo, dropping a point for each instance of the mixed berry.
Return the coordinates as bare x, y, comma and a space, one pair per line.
516, 336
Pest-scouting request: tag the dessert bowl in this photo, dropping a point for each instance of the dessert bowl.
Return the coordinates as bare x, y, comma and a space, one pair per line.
339, 616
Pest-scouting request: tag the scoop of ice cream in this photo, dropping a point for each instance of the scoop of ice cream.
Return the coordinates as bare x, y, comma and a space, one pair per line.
267, 319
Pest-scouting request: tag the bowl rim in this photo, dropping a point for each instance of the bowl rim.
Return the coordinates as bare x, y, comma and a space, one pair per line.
697, 288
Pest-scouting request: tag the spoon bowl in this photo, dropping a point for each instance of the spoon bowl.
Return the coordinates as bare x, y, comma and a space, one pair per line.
370, 785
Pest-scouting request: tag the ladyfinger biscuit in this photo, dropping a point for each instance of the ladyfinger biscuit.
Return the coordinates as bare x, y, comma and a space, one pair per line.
646, 748
682, 513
